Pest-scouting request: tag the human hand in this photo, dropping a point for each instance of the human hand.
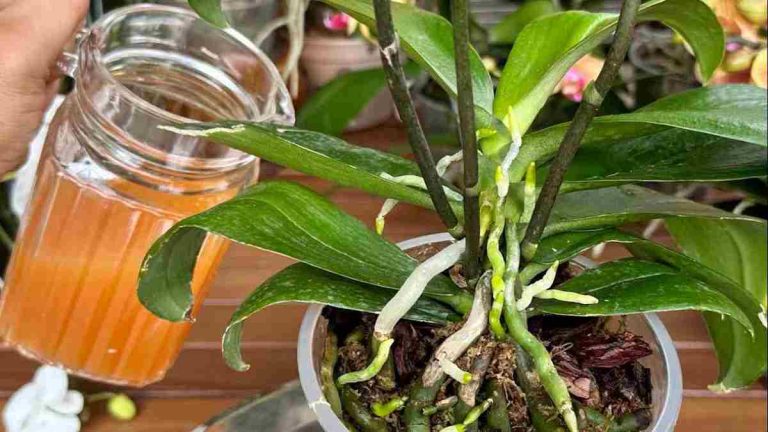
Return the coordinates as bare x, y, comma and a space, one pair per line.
32, 36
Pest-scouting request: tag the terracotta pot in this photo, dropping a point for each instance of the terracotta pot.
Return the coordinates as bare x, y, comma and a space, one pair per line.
666, 376
326, 57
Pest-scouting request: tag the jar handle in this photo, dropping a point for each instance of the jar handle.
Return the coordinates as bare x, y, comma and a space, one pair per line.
68, 60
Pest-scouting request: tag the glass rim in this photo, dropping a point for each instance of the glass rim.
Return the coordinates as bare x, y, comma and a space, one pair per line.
93, 41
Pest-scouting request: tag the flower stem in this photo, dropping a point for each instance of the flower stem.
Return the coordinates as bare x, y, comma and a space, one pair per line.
461, 46
390, 59
593, 98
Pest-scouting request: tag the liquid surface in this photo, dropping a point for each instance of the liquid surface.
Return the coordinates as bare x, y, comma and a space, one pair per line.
70, 295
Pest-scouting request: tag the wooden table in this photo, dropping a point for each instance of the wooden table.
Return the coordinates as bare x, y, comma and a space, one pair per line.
200, 384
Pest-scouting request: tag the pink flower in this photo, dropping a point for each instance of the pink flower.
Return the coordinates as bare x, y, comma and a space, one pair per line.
573, 85
337, 21
578, 77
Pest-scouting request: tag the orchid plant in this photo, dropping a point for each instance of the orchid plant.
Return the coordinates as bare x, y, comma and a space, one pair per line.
528, 202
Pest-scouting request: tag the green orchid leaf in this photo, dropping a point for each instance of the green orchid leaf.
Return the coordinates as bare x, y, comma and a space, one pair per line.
633, 286
669, 155
318, 155
210, 10
738, 251
427, 39
742, 357
507, 30
549, 46
589, 209
331, 109
735, 111
690, 136
287, 219
306, 284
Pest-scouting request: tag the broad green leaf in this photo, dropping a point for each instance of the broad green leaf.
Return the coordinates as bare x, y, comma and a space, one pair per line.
337, 103
736, 250
632, 286
690, 136
615, 206
427, 38
730, 339
318, 155
302, 283
736, 111
506, 31
210, 10
287, 219
666, 154
549, 46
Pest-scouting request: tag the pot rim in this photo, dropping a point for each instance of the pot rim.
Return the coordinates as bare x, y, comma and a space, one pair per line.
664, 421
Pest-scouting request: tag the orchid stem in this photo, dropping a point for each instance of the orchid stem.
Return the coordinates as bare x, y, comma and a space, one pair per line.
390, 59
461, 46
593, 99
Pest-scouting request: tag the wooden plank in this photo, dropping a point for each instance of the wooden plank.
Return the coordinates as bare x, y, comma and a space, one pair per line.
722, 415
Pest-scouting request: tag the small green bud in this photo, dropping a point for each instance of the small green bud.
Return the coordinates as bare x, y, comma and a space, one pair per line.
121, 407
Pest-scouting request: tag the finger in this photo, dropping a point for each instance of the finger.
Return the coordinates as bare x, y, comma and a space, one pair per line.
42, 27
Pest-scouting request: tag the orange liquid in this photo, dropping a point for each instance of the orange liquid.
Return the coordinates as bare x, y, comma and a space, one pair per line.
70, 296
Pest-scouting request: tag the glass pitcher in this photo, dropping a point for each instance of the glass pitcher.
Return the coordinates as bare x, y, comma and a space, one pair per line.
110, 181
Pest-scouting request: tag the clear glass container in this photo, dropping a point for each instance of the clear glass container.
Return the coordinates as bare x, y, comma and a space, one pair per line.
110, 181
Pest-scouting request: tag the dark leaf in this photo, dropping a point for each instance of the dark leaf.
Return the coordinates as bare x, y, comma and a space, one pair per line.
210, 10
737, 251
287, 219
306, 284
549, 46
635, 286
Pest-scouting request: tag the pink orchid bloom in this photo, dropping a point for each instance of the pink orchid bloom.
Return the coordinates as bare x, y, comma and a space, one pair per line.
579, 76
337, 21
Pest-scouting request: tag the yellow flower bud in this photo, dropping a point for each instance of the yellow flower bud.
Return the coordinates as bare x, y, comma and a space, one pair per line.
759, 72
738, 61
756, 11
121, 407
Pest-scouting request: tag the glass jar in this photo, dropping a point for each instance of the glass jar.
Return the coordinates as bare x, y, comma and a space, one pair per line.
110, 182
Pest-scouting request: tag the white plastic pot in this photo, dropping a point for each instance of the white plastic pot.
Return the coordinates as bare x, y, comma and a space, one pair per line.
666, 376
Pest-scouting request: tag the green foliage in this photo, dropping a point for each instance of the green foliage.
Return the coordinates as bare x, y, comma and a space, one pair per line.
616, 206
632, 286
737, 251
742, 356
707, 134
210, 10
329, 110
287, 219
306, 284
318, 155
548, 47
427, 39
507, 30
690, 136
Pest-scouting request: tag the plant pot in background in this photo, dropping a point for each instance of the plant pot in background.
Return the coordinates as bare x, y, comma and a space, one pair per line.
666, 376
326, 57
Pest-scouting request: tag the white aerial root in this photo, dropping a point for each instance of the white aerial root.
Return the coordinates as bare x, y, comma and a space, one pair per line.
567, 296
418, 182
455, 345
502, 173
446, 161
452, 370
414, 286
415, 181
387, 207
538, 287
